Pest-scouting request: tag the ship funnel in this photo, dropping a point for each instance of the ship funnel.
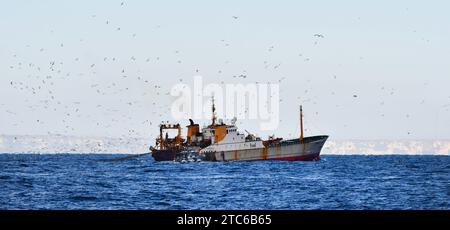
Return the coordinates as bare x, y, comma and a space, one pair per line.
193, 130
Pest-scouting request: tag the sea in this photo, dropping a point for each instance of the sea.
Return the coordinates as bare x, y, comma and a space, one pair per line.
344, 182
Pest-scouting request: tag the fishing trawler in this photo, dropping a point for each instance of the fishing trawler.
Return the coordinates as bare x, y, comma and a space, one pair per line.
223, 142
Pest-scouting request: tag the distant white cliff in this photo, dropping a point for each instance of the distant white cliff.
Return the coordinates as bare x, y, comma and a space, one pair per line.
377, 147
70, 144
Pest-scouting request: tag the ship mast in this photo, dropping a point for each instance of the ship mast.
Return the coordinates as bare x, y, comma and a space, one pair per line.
301, 123
161, 140
213, 112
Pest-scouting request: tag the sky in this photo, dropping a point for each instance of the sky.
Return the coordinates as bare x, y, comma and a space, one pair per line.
379, 70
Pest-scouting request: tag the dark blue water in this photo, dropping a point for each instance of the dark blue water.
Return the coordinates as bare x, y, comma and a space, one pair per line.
335, 182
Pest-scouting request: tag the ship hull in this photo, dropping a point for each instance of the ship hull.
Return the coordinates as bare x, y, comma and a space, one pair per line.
290, 150
164, 155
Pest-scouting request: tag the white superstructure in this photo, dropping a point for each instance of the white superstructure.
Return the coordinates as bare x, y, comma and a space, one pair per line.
233, 140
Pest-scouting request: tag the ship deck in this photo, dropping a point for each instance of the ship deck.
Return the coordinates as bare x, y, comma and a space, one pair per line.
305, 140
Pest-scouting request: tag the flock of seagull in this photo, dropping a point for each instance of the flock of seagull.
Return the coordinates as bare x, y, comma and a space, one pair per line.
42, 86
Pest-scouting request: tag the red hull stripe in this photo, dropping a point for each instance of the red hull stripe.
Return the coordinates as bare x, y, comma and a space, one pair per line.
298, 158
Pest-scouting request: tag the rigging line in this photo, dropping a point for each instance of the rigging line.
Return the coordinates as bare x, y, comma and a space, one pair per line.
129, 157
